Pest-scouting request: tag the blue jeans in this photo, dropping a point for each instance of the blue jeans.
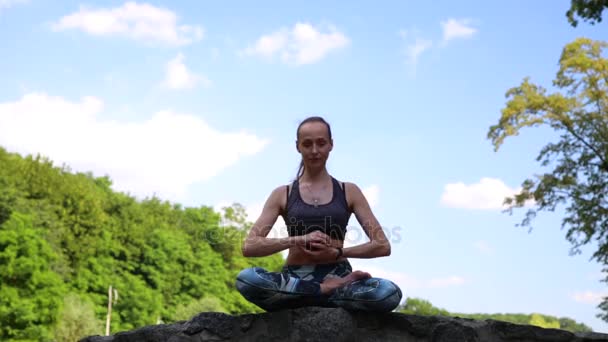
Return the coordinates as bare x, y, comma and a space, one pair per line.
299, 285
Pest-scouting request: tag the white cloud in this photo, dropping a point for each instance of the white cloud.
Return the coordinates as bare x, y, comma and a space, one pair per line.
136, 21
489, 193
406, 281
303, 44
372, 194
269, 45
253, 211
162, 155
589, 297
179, 77
279, 229
457, 28
354, 236
414, 50
446, 282
416, 46
403, 280
483, 247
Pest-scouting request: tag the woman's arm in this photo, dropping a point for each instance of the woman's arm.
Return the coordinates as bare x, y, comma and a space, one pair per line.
257, 244
378, 246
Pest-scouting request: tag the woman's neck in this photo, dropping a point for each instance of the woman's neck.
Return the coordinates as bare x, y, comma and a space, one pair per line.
314, 176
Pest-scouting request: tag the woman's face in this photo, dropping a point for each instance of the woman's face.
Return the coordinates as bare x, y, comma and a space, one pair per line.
314, 144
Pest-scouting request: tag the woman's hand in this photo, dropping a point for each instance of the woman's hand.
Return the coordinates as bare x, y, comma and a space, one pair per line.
316, 238
320, 252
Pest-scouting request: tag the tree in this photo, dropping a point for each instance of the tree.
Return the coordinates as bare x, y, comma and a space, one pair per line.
63, 232
30, 292
589, 10
419, 306
578, 111
77, 320
543, 322
569, 324
205, 304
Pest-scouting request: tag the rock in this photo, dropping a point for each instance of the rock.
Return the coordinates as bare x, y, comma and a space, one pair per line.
328, 324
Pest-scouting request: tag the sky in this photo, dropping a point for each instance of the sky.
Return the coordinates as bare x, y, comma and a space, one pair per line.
198, 103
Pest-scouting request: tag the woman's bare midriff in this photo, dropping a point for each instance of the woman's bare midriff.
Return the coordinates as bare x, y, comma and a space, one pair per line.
297, 255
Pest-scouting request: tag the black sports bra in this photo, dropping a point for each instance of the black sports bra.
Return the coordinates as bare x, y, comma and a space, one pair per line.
302, 218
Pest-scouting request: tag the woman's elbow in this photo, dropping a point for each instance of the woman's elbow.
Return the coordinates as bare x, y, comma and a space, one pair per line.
384, 249
246, 250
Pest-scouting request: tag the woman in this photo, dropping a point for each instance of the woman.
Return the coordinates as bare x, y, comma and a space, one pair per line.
316, 209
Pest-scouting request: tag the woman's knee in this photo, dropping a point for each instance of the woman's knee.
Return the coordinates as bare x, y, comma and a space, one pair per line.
390, 296
373, 294
384, 296
253, 278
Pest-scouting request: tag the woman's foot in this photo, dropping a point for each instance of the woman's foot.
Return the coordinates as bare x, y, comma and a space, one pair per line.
327, 286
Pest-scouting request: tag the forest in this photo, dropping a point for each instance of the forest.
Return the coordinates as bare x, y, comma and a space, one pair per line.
66, 237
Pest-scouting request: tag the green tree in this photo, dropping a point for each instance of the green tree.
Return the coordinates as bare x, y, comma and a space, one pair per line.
543, 322
167, 262
205, 304
588, 10
569, 324
77, 320
578, 160
137, 304
418, 306
58, 227
30, 293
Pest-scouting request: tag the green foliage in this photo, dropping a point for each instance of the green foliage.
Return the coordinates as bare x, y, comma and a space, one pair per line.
418, 306
63, 232
77, 320
187, 311
588, 10
30, 293
540, 321
571, 325
578, 111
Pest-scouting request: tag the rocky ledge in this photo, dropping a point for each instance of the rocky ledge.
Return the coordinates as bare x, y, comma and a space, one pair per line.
327, 324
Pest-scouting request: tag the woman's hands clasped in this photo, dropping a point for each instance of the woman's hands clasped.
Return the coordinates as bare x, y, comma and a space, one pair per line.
317, 245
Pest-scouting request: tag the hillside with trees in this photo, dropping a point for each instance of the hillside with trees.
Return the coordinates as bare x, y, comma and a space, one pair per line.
65, 237
418, 306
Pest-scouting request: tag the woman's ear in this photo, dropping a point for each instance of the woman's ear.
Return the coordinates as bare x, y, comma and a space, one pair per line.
297, 147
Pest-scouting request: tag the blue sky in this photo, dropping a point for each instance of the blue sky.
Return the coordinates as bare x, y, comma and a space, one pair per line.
198, 103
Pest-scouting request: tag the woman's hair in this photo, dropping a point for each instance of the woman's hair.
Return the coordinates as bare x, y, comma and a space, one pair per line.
307, 120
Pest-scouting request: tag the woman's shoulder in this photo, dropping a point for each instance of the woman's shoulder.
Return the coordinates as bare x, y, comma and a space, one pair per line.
278, 198
281, 190
346, 185
352, 192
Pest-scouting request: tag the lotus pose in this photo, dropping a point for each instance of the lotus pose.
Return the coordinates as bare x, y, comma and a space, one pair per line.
316, 208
